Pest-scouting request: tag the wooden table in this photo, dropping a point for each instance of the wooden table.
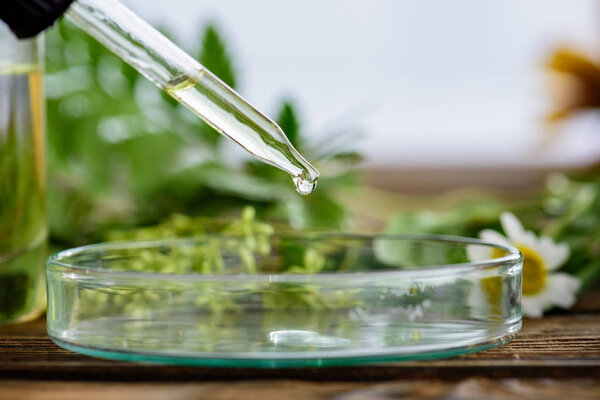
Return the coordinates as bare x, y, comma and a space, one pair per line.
557, 357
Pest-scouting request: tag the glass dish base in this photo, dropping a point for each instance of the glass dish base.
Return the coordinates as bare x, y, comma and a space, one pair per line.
297, 360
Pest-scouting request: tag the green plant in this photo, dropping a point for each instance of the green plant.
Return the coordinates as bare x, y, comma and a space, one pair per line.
123, 155
566, 211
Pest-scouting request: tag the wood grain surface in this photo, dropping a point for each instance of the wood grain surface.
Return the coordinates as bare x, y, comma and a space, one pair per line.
469, 389
554, 357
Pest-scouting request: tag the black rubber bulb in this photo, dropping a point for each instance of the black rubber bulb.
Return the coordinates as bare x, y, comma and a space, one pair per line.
27, 18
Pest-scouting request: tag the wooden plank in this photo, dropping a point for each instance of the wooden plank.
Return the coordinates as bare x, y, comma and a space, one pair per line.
562, 345
471, 389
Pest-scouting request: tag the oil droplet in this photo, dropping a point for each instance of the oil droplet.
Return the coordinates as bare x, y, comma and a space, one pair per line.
304, 186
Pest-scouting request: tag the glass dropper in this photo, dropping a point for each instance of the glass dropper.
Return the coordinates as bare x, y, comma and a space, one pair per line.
170, 68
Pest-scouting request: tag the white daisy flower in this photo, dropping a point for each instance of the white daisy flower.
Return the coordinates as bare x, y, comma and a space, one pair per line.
542, 288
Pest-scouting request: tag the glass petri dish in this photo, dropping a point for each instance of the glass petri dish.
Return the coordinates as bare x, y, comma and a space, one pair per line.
285, 300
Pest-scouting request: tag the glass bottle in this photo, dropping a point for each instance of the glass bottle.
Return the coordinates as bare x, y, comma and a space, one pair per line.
23, 229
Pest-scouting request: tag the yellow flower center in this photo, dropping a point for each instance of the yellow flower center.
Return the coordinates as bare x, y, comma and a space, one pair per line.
492, 289
534, 275
534, 271
492, 286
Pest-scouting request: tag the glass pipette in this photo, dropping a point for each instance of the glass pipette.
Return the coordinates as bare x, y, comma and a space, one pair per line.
185, 79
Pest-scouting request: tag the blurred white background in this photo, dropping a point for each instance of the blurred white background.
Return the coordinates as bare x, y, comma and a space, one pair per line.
430, 82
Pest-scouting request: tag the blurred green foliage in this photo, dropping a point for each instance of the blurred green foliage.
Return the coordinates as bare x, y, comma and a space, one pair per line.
122, 154
289, 123
214, 56
567, 210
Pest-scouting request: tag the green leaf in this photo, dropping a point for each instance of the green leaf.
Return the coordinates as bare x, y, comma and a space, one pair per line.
288, 121
465, 220
317, 211
215, 56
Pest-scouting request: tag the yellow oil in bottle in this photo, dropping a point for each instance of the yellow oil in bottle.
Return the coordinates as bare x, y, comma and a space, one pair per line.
23, 229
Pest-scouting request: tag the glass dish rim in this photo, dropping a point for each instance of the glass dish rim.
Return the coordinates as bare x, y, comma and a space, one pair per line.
513, 257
